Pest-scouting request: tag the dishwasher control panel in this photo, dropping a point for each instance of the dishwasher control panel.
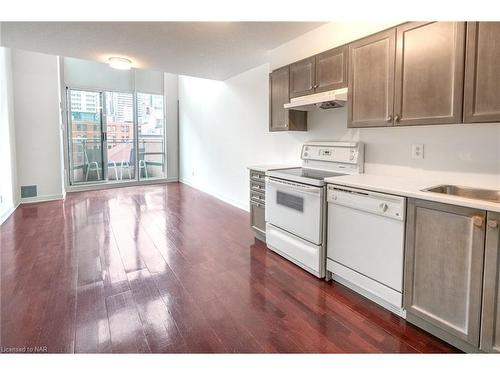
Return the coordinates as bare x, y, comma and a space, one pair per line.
391, 206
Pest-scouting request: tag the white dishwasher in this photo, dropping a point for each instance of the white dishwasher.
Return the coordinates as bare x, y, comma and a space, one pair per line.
365, 244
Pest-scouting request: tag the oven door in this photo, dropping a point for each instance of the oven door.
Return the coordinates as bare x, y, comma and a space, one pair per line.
296, 208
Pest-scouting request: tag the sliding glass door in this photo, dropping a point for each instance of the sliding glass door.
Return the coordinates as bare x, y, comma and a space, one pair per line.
114, 138
119, 138
151, 134
85, 133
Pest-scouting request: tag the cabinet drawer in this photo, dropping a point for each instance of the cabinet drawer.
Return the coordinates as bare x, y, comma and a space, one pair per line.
257, 197
257, 176
258, 186
257, 217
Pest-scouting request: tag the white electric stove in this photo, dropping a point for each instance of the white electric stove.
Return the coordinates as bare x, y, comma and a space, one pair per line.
296, 202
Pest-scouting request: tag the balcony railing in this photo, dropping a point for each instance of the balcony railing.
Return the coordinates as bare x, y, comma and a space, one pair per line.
87, 158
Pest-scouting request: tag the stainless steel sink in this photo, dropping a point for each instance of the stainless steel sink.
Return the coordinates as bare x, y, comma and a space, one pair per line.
467, 192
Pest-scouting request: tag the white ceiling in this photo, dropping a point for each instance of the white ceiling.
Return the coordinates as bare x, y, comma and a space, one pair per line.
215, 50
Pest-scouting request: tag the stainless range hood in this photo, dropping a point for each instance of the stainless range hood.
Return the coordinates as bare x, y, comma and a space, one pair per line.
323, 100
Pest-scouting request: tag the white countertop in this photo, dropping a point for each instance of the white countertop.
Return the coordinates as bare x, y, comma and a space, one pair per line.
410, 187
271, 167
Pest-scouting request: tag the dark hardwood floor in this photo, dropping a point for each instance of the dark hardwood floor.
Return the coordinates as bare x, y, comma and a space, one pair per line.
169, 269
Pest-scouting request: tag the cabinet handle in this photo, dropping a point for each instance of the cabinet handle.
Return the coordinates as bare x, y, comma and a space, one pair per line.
493, 223
478, 221
389, 118
396, 118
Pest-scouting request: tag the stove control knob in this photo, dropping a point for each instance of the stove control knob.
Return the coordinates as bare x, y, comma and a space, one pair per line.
383, 207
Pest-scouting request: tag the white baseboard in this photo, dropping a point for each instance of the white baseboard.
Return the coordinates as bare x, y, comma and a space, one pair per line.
239, 204
42, 198
9, 212
113, 185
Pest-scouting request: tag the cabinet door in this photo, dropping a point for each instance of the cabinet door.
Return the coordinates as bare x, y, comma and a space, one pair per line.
278, 96
429, 73
331, 69
444, 266
482, 72
490, 325
257, 217
371, 80
302, 77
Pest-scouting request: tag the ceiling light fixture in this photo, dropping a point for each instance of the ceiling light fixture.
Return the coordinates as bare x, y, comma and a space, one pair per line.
119, 63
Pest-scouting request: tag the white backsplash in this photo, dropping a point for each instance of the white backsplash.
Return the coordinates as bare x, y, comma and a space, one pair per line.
462, 153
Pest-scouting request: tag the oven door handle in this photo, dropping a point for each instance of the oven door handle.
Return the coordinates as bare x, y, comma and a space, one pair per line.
294, 186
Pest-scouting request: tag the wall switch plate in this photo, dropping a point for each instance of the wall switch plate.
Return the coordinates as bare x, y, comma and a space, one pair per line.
417, 151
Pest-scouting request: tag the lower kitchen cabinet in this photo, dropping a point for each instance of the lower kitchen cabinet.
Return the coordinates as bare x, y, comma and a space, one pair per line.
444, 271
490, 322
258, 204
257, 216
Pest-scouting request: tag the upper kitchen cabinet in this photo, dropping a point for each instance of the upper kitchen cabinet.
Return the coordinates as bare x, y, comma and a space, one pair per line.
482, 72
323, 72
371, 80
429, 73
302, 77
281, 119
331, 69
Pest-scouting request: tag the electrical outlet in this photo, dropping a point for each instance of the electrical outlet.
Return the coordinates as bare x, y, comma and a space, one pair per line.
192, 172
417, 151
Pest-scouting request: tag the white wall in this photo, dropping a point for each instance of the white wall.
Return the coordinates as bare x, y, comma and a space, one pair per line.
224, 128
8, 179
37, 121
172, 119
